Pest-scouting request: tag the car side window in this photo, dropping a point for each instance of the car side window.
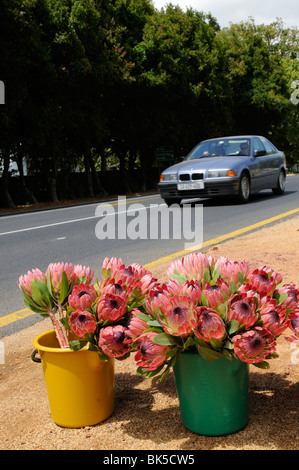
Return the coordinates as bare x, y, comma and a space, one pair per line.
268, 146
257, 145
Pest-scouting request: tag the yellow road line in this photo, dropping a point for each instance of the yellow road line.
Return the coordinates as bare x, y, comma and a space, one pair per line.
219, 239
15, 316
20, 314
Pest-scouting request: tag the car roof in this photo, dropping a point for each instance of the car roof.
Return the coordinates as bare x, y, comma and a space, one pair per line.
245, 136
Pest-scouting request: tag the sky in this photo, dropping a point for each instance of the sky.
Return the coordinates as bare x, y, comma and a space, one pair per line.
235, 11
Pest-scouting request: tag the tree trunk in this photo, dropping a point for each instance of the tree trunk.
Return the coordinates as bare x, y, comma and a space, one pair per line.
53, 180
29, 196
98, 185
8, 201
88, 173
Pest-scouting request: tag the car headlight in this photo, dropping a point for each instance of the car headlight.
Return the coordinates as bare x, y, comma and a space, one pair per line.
169, 177
220, 173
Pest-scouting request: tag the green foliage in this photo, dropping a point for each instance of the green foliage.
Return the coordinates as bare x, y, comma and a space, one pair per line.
89, 75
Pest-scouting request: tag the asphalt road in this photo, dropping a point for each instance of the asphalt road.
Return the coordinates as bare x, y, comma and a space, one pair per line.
128, 229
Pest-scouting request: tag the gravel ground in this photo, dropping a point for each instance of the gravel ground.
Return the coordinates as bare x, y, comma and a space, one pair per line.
147, 415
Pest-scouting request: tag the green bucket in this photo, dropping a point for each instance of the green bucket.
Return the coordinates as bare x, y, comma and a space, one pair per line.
213, 396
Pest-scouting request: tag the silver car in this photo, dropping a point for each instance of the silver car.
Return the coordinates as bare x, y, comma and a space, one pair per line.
226, 166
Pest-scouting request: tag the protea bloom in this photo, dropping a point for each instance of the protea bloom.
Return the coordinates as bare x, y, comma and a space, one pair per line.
83, 272
157, 298
150, 355
176, 317
254, 345
110, 307
82, 323
274, 318
294, 326
136, 326
277, 277
56, 270
262, 281
25, 280
82, 297
115, 288
110, 266
114, 341
242, 308
230, 269
292, 292
216, 294
192, 266
209, 325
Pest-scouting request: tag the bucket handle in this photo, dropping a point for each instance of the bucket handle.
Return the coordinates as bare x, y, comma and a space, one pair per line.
33, 356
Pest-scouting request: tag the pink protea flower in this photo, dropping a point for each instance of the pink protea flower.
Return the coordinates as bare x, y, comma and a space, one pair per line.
230, 269
82, 297
294, 322
25, 280
116, 289
209, 325
83, 271
114, 341
150, 355
277, 277
216, 294
261, 281
136, 326
274, 318
110, 266
192, 266
157, 298
292, 292
242, 308
82, 323
110, 307
254, 345
56, 270
177, 316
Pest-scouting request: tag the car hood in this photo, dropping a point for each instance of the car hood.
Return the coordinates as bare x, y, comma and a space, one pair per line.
207, 163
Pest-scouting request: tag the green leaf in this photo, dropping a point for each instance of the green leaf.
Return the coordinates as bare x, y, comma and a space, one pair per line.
179, 277
209, 354
77, 344
233, 326
144, 317
281, 298
216, 344
171, 352
216, 274
204, 301
163, 339
154, 323
190, 342
240, 278
64, 290
222, 309
40, 293
262, 365
206, 275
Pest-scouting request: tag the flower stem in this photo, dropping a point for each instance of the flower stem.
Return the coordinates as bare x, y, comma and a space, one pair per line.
61, 333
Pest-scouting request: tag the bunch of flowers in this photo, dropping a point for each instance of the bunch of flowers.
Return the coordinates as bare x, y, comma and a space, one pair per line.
216, 307
102, 315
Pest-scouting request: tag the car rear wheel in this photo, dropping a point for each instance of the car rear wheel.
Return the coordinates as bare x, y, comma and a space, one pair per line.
281, 183
244, 188
169, 202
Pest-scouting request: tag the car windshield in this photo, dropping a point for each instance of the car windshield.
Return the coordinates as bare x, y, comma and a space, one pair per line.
223, 147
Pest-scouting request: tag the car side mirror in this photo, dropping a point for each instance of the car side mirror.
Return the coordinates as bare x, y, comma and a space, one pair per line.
259, 153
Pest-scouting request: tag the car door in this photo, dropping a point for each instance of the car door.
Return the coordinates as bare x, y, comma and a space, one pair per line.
262, 163
273, 163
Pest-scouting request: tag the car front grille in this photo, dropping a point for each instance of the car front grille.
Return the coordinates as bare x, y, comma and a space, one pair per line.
190, 176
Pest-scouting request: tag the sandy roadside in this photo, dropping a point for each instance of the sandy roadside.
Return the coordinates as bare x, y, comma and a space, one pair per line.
147, 416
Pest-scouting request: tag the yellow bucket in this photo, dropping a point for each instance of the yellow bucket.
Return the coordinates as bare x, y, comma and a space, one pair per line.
80, 386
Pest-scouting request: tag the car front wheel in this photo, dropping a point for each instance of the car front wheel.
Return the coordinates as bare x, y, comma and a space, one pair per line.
281, 183
244, 188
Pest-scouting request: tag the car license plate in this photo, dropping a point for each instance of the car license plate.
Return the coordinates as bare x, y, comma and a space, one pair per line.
186, 186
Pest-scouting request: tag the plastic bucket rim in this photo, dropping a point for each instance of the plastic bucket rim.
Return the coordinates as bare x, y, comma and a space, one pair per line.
43, 348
